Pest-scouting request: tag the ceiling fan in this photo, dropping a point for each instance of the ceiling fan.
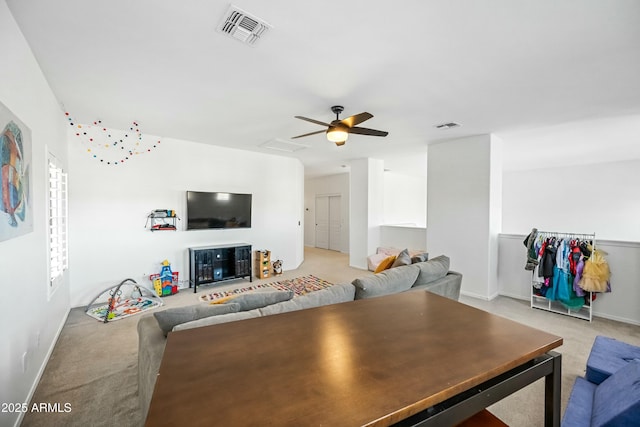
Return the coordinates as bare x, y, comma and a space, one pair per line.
338, 130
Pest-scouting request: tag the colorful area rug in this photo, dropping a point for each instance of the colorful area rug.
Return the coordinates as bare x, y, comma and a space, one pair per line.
302, 285
299, 285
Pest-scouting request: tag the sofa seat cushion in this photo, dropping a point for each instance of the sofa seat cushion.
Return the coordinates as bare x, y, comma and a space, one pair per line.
171, 317
616, 401
332, 295
607, 356
390, 281
579, 407
253, 300
434, 269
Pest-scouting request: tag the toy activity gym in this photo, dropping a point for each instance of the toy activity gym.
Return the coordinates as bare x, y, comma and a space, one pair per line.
123, 300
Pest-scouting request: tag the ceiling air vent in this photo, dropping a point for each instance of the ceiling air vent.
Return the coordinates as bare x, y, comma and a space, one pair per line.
282, 145
447, 125
242, 26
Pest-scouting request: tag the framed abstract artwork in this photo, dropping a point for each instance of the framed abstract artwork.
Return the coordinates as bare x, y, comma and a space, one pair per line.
16, 210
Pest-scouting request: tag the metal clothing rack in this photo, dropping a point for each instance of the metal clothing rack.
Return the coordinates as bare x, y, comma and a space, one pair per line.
541, 302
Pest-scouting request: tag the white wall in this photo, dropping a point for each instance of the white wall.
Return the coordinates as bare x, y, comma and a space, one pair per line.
403, 236
601, 198
30, 322
461, 193
366, 209
405, 199
331, 185
584, 142
109, 205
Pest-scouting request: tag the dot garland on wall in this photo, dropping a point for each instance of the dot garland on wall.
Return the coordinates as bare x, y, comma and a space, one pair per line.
110, 146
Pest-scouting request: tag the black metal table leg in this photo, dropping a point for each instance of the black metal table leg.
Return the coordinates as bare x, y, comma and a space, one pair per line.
552, 385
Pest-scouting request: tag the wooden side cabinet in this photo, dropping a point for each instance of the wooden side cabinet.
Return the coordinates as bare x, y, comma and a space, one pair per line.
263, 264
210, 264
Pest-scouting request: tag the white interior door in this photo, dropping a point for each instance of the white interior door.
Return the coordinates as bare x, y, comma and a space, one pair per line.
329, 222
335, 223
322, 222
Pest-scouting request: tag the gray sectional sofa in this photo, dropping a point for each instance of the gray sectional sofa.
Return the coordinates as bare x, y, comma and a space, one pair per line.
432, 275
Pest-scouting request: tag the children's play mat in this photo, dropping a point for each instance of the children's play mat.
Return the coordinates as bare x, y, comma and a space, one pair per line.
123, 300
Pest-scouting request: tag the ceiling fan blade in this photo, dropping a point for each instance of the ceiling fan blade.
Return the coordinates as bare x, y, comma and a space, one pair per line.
370, 132
309, 134
357, 119
312, 121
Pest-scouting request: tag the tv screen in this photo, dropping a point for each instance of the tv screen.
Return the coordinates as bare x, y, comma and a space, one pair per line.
218, 210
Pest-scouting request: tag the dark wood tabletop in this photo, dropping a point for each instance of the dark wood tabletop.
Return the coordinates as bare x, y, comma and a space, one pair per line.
369, 362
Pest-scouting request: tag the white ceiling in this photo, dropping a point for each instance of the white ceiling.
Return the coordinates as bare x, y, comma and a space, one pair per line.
501, 66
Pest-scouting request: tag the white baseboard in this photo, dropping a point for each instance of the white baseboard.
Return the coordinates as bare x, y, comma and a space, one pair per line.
478, 296
515, 296
616, 318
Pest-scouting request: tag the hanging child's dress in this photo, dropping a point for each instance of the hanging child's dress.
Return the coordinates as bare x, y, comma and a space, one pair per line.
596, 273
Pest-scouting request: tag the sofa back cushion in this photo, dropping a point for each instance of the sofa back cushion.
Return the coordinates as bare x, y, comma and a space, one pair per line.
431, 270
616, 401
252, 300
332, 295
217, 320
388, 282
171, 317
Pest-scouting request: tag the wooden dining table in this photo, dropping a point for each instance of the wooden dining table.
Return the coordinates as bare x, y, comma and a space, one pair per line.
412, 358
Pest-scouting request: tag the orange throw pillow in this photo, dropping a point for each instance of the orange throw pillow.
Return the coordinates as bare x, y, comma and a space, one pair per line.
385, 263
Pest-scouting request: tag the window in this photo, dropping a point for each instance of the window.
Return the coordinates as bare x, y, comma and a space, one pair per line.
58, 213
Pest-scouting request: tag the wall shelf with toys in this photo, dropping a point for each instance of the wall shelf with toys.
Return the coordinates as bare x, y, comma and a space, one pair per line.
162, 220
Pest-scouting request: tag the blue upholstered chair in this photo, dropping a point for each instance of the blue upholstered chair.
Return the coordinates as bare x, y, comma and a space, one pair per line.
610, 394
607, 356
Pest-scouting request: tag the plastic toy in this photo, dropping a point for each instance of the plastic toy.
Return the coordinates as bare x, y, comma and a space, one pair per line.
165, 283
277, 267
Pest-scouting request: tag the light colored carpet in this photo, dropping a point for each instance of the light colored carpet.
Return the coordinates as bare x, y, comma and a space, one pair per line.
94, 365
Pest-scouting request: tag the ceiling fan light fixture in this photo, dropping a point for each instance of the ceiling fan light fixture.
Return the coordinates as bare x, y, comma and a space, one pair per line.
337, 134
338, 130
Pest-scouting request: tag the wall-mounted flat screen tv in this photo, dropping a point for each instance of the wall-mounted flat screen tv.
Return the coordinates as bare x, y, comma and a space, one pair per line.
207, 210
